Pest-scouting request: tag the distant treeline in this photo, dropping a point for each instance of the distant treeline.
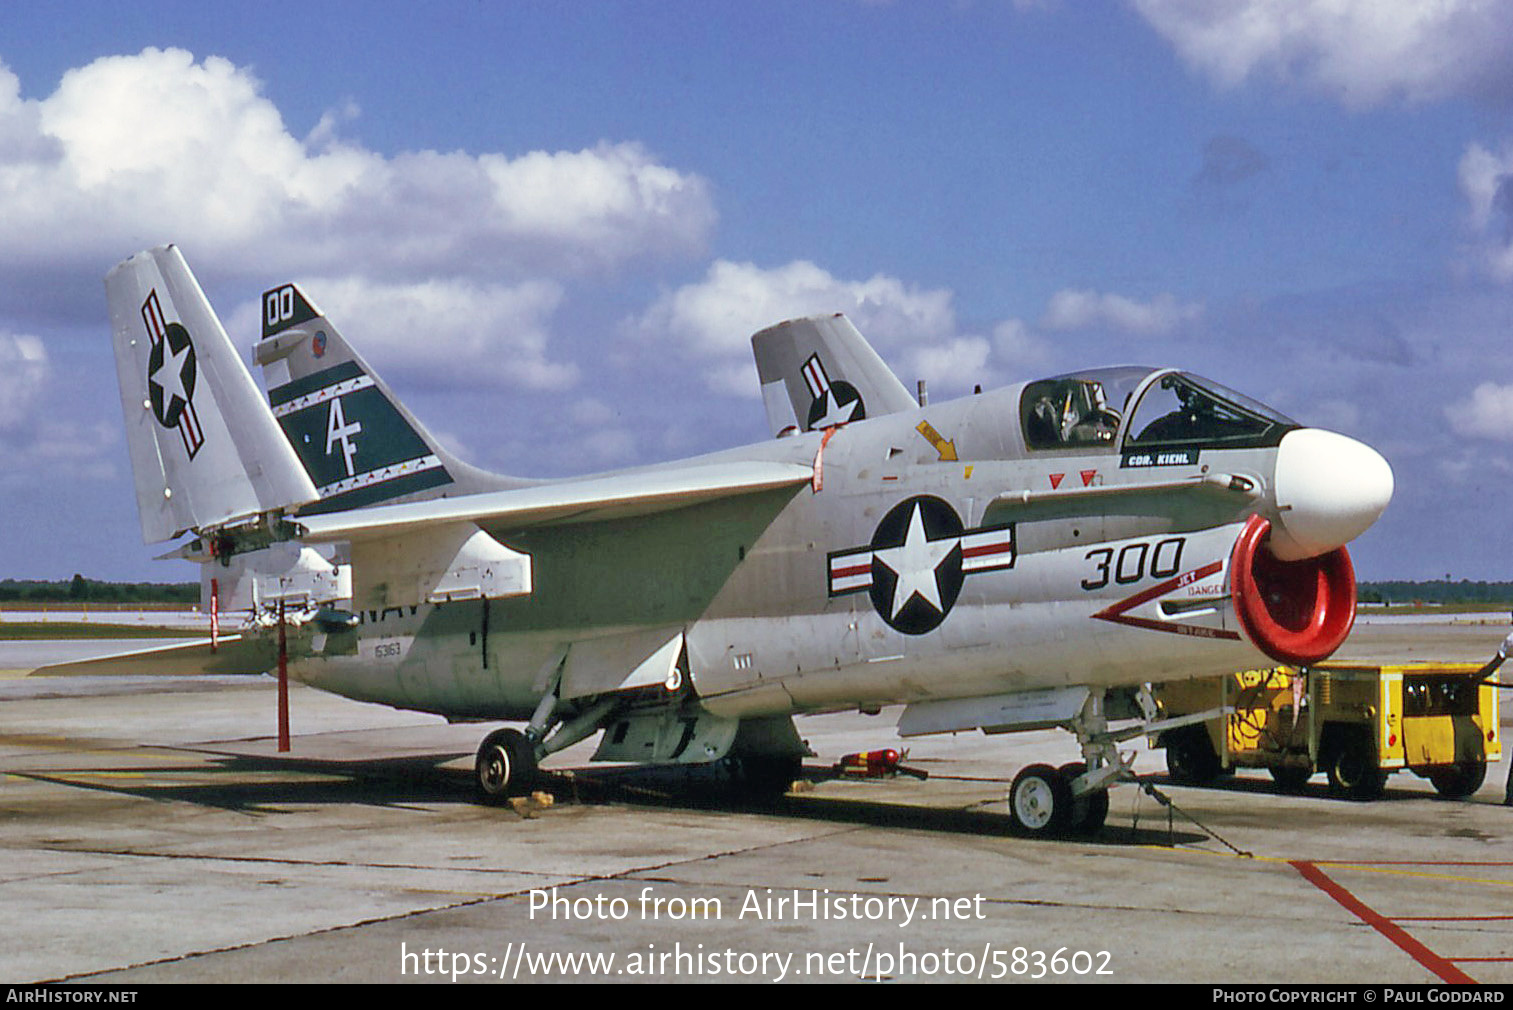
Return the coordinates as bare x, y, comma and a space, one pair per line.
1437, 591
82, 590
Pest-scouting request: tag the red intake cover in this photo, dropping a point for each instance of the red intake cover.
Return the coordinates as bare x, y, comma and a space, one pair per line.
1297, 612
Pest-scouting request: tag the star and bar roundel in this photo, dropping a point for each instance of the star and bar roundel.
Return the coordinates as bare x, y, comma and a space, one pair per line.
919, 557
172, 373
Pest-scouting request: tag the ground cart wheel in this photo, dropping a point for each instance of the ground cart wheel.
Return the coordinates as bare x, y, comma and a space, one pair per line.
1460, 780
1350, 762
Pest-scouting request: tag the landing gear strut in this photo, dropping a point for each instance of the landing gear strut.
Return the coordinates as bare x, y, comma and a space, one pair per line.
1049, 802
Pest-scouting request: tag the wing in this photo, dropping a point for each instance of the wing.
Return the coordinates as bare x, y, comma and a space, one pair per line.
449, 548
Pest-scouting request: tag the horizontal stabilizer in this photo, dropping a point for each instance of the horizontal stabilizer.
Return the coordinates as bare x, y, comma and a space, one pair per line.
233, 654
205, 449
617, 496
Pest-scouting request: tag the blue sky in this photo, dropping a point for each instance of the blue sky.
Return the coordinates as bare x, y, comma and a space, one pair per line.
553, 229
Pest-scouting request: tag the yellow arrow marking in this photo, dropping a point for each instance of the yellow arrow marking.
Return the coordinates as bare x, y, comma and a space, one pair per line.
946, 449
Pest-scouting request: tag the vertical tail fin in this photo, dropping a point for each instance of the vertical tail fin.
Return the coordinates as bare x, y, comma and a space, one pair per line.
205, 450
820, 371
358, 443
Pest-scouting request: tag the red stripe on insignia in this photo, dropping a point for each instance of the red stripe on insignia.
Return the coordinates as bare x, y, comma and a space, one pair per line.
152, 317
190, 430
997, 548
814, 377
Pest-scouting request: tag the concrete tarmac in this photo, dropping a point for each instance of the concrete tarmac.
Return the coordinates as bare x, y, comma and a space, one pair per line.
150, 834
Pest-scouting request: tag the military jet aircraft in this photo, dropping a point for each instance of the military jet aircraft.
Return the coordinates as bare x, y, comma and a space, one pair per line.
1025, 558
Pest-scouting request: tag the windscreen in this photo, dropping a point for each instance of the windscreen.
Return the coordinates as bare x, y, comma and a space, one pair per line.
1182, 409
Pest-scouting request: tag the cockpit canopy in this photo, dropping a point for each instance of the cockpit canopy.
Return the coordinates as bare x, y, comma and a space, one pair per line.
1146, 408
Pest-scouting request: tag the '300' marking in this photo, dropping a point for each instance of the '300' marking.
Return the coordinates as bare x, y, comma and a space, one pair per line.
1133, 562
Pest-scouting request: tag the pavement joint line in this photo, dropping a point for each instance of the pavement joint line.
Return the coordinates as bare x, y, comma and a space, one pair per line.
249, 945
290, 861
512, 895
1452, 918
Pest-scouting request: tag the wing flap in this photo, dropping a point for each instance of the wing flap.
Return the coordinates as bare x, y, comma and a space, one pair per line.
623, 662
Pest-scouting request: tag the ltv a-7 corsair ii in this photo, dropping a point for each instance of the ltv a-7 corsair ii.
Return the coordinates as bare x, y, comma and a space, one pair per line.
1023, 558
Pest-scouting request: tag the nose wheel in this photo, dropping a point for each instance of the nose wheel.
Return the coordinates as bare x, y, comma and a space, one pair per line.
1042, 803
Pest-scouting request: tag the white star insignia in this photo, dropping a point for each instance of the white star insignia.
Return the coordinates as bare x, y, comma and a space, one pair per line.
834, 412
914, 562
173, 364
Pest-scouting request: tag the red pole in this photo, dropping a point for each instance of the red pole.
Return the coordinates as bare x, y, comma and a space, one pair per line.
283, 683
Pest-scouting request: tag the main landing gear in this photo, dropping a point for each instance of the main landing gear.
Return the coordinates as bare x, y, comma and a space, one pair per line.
505, 766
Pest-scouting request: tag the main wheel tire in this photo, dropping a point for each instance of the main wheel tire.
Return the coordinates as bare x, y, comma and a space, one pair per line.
505, 766
1455, 782
1351, 764
1040, 802
1190, 756
1089, 810
1290, 778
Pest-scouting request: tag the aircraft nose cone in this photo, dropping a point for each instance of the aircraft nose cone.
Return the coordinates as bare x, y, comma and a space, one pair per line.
1329, 490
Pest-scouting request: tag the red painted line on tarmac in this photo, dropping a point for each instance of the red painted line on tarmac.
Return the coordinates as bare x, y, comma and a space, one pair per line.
1407, 944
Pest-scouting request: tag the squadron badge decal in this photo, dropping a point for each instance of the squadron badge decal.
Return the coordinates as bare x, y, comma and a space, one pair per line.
171, 375
919, 556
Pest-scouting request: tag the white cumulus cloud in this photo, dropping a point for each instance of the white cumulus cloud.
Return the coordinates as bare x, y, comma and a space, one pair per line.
1487, 414
1359, 52
1486, 181
715, 318
957, 363
718, 315
34, 435
157, 146
1074, 309
446, 332
24, 371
